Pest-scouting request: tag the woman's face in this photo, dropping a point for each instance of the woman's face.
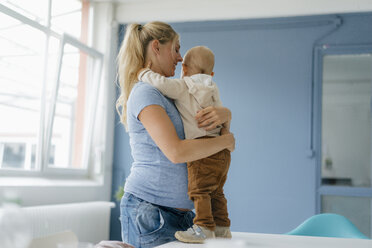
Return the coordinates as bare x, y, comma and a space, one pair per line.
169, 56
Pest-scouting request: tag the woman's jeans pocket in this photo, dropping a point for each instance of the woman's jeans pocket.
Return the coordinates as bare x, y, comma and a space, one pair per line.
150, 223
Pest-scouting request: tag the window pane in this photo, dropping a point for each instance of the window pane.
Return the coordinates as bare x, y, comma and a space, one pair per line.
67, 17
36, 10
21, 82
346, 120
356, 209
14, 155
70, 121
33, 156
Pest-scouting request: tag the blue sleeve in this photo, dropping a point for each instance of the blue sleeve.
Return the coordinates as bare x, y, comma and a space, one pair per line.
144, 95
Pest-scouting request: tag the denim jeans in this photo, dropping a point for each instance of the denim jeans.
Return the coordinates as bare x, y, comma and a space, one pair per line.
144, 224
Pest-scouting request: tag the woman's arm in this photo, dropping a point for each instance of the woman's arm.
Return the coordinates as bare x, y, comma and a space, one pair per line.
162, 131
211, 117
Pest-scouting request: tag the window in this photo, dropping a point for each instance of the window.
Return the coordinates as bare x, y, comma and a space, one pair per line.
49, 83
72, 106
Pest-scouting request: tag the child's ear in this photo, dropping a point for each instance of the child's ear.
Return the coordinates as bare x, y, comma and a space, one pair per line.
184, 68
212, 74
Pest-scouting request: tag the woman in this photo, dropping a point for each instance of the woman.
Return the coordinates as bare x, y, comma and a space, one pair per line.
155, 204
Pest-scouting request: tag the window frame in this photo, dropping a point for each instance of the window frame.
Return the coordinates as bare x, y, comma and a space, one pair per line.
67, 39
44, 137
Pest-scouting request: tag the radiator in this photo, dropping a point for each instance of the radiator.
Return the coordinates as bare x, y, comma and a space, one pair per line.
90, 221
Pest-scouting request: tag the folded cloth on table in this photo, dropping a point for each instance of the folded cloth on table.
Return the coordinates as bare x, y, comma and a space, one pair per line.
112, 244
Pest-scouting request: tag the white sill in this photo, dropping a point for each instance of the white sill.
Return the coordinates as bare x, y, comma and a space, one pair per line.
47, 182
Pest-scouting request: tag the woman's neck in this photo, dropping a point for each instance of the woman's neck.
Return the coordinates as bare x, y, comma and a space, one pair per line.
154, 66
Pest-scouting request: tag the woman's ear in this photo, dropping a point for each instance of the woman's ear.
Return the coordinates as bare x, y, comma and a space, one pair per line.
212, 74
155, 46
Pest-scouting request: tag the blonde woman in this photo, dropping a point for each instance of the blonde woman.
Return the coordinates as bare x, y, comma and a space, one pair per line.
155, 204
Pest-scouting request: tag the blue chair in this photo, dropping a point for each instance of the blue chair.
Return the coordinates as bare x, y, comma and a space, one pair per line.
328, 225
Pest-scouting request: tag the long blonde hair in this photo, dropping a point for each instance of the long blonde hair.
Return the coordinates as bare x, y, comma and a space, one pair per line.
132, 57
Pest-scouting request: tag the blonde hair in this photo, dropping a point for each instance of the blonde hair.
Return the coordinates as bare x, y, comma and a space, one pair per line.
132, 57
199, 59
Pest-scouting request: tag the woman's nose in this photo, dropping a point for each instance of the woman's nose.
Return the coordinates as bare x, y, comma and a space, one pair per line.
179, 58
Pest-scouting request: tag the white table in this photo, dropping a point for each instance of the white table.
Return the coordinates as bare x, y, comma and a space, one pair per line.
261, 240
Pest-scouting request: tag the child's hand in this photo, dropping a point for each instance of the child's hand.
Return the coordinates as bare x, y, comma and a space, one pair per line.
147, 66
211, 117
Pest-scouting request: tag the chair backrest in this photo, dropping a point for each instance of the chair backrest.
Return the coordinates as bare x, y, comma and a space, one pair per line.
328, 225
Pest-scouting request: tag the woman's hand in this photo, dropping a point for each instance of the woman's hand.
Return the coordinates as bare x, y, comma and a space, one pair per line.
212, 117
226, 133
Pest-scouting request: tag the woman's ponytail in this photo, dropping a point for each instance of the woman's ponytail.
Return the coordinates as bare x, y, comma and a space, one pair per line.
130, 60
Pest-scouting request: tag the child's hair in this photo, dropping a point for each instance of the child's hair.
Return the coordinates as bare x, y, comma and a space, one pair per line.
199, 59
132, 56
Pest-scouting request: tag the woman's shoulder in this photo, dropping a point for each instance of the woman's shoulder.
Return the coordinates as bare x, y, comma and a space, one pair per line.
144, 94
144, 89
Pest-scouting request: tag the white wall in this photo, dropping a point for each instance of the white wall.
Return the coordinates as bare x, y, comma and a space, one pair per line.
199, 10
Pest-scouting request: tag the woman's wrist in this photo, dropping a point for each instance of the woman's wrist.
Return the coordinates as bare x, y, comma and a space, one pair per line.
229, 141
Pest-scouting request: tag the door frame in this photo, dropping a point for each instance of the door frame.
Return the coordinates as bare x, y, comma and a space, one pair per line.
319, 52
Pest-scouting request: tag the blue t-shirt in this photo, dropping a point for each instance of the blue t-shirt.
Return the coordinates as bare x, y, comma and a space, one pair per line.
153, 177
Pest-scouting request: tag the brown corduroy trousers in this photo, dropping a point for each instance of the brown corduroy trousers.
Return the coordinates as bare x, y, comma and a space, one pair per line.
207, 177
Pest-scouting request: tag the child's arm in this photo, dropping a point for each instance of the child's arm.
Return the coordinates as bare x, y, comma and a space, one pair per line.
172, 88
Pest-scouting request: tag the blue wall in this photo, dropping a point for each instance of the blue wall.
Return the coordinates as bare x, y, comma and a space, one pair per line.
264, 70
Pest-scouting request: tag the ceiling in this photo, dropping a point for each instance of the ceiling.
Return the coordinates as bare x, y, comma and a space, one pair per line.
203, 10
